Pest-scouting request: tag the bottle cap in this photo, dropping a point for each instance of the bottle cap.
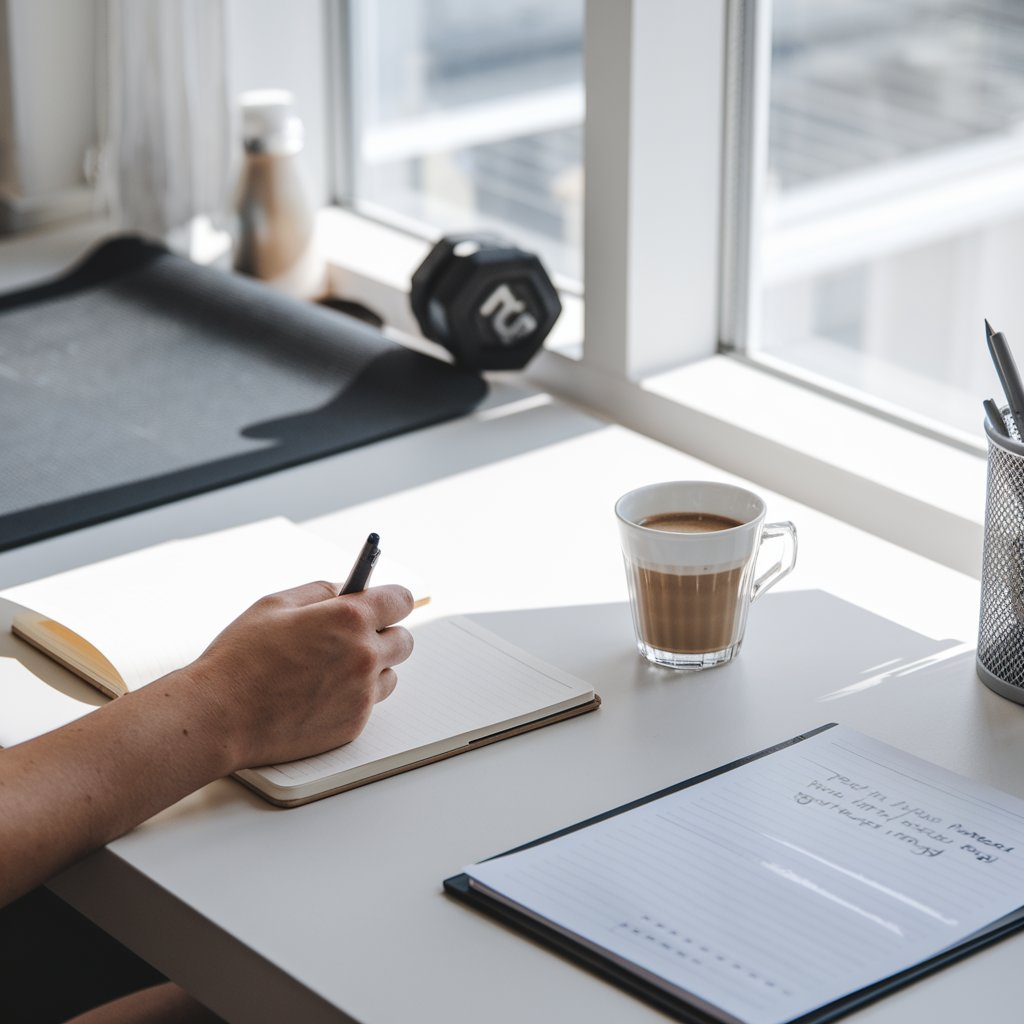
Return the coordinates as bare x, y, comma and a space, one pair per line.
268, 123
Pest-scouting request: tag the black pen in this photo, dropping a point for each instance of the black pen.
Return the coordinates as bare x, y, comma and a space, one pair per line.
360, 574
1006, 368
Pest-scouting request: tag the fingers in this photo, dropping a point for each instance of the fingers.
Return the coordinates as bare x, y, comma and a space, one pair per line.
396, 645
386, 683
385, 605
365, 619
308, 593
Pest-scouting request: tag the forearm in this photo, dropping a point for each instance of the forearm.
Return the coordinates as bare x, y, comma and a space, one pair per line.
81, 786
296, 674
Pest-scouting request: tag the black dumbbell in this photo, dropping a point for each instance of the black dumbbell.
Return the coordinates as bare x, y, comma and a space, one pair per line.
486, 301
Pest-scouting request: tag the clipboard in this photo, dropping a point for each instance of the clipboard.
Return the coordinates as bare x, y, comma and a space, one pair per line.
693, 1012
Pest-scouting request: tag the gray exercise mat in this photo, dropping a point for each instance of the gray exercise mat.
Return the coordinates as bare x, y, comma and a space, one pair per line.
139, 377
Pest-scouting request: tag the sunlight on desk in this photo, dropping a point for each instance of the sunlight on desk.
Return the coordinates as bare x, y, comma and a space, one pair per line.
899, 668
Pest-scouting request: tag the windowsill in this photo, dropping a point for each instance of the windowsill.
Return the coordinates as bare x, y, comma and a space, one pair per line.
891, 481
373, 264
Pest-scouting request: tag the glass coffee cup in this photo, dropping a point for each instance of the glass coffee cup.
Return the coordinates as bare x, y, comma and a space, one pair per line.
691, 550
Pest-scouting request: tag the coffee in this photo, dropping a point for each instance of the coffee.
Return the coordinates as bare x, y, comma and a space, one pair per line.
691, 550
689, 522
688, 613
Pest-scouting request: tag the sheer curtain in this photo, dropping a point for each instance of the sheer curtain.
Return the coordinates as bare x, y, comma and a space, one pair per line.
168, 159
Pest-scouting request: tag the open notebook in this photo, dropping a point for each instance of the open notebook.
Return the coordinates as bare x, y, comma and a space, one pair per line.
123, 622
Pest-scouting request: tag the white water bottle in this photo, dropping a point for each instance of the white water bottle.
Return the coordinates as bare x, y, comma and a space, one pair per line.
275, 233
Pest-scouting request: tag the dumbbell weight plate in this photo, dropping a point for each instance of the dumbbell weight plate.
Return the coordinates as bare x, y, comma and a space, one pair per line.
488, 302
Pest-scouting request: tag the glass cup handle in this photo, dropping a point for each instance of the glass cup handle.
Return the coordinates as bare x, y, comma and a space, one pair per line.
784, 566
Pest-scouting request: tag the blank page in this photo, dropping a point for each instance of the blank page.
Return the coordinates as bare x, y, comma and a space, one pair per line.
461, 683
779, 886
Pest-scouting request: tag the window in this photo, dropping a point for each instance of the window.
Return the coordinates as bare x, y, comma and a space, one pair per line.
831, 191
469, 116
891, 211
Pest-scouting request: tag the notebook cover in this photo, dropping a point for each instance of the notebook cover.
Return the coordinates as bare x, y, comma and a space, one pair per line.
504, 734
458, 886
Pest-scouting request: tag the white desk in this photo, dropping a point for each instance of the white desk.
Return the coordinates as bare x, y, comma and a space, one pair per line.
334, 911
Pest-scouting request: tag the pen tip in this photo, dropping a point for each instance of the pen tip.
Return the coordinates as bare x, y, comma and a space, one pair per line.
988, 329
373, 539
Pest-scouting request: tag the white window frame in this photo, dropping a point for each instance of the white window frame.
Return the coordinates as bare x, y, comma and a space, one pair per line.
655, 71
815, 243
668, 254
670, 270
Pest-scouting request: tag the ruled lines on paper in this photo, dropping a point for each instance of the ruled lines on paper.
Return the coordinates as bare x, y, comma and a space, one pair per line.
779, 886
460, 683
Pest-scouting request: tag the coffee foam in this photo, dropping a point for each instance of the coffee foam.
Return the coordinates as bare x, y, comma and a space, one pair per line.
690, 553
674, 568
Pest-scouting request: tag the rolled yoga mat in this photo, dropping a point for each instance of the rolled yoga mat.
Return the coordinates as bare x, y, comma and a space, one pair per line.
138, 377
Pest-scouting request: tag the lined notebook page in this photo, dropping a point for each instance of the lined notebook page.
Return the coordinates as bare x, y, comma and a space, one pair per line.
155, 610
777, 887
461, 683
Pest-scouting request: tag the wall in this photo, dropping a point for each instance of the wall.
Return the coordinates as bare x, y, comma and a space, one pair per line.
49, 89
282, 45
51, 102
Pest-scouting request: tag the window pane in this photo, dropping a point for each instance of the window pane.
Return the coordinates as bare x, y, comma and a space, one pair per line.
894, 212
470, 117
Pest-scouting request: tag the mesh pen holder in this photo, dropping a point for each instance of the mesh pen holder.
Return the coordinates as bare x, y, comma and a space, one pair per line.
1000, 659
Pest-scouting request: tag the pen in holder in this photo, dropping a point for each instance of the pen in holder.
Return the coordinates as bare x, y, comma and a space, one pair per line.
1000, 659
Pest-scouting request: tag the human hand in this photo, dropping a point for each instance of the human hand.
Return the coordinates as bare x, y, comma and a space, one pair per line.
299, 672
